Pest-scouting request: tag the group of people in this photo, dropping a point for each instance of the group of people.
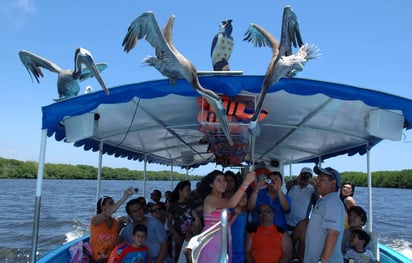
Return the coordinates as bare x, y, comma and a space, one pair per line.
132, 238
313, 221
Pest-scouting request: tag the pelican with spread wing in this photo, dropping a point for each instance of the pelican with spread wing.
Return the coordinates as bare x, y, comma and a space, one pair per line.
169, 61
68, 81
283, 63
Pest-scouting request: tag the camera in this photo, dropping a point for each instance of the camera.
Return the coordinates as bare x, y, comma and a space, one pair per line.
268, 181
135, 190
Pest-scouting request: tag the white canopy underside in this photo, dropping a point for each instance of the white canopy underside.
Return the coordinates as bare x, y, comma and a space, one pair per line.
166, 129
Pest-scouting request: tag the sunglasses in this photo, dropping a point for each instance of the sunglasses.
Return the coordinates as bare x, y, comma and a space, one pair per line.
264, 211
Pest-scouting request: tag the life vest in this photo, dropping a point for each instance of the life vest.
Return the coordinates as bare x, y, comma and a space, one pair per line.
226, 154
117, 253
237, 113
233, 108
125, 252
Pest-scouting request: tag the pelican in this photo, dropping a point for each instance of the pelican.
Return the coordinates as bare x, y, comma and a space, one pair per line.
169, 61
222, 46
68, 81
283, 63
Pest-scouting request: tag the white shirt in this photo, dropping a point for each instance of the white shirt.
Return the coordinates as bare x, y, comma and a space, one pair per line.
300, 199
328, 213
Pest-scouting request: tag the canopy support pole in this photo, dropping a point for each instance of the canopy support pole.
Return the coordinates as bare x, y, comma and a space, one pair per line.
99, 171
144, 176
290, 171
171, 176
223, 237
39, 185
374, 241
369, 190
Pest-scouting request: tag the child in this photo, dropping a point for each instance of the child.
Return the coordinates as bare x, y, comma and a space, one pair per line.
132, 252
104, 229
359, 239
194, 229
238, 223
357, 218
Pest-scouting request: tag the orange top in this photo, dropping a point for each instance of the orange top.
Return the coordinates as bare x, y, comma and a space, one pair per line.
232, 107
267, 244
102, 239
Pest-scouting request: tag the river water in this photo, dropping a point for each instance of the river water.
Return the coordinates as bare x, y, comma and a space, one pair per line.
67, 206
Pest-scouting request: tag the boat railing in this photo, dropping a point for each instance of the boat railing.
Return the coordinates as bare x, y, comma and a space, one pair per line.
198, 242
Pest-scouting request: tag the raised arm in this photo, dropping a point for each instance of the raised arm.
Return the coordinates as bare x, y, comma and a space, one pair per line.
283, 201
251, 203
99, 218
212, 202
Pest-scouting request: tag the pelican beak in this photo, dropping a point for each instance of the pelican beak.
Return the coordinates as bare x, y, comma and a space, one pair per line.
85, 57
220, 112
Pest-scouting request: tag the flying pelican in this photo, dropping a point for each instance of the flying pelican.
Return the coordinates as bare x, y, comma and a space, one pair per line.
283, 63
169, 61
68, 81
222, 46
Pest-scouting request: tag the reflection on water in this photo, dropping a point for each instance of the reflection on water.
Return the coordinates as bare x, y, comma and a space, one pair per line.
67, 206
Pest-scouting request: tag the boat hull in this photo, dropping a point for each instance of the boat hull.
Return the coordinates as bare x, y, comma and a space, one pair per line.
388, 255
60, 254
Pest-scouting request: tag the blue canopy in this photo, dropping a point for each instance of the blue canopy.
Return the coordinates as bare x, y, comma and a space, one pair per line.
306, 120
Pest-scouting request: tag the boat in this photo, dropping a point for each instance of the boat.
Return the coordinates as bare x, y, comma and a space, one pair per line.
387, 254
306, 121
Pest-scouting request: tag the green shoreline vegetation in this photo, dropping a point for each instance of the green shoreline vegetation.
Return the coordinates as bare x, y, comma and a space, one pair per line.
14, 169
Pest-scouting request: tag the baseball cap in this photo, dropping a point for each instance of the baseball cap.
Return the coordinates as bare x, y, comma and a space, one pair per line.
329, 171
262, 173
306, 170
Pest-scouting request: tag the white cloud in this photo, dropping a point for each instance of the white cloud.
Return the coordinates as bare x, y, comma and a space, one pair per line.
17, 12
25, 5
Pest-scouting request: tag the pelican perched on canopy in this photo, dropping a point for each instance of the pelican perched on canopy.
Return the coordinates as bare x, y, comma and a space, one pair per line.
68, 81
283, 63
169, 61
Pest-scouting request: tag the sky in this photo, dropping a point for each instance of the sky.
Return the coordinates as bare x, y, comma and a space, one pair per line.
363, 43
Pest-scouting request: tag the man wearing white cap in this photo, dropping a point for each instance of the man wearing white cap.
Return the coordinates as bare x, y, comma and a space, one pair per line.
300, 193
325, 229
